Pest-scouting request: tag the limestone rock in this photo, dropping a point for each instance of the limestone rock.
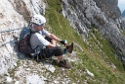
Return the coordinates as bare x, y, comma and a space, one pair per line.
14, 15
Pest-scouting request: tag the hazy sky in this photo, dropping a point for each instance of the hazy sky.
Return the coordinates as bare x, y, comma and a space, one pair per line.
121, 4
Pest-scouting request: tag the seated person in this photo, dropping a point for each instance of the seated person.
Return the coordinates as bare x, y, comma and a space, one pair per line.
45, 42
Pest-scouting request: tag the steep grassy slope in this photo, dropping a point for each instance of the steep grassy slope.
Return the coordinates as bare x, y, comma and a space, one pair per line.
98, 56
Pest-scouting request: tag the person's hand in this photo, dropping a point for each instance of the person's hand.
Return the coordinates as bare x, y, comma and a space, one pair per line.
64, 42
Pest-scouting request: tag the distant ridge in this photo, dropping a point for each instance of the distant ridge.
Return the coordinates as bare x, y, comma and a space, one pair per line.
123, 14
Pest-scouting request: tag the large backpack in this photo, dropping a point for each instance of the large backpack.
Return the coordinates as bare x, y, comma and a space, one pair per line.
24, 42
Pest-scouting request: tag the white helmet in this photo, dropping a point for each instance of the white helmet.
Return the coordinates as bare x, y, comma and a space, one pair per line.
38, 19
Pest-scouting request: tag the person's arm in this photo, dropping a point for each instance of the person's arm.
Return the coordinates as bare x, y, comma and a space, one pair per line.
41, 41
64, 42
54, 37
50, 35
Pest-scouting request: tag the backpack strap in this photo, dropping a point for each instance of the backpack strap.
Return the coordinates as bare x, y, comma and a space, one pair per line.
35, 55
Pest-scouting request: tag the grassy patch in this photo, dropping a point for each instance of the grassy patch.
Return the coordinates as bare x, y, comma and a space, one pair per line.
104, 49
122, 32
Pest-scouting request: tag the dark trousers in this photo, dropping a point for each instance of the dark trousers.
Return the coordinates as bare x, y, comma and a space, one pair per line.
49, 52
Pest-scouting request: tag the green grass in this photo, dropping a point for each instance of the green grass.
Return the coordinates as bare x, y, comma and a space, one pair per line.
122, 32
98, 56
108, 53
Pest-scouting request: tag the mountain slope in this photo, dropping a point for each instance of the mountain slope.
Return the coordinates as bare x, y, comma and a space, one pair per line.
94, 65
98, 56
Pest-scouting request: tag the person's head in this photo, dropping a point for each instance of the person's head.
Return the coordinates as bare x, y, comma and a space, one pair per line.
38, 22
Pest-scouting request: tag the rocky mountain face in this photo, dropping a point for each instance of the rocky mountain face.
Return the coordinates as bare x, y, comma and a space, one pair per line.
14, 15
106, 7
123, 23
83, 14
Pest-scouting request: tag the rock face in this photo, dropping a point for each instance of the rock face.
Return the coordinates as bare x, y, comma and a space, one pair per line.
107, 5
123, 23
14, 15
83, 14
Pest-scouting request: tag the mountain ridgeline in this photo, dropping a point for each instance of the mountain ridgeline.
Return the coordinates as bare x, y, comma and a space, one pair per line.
123, 14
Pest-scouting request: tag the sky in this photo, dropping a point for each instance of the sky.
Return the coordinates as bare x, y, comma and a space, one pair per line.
121, 5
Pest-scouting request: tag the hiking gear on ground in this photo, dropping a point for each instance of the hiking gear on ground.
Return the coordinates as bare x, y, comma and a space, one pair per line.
63, 41
24, 42
38, 20
65, 64
70, 48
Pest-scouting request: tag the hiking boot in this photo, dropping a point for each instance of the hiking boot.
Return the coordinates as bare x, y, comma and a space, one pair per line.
70, 48
64, 64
